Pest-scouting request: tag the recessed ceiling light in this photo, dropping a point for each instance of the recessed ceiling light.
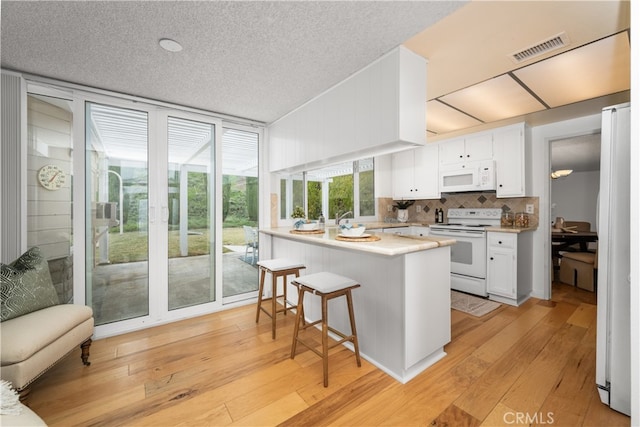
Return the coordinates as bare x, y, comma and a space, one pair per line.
170, 45
561, 173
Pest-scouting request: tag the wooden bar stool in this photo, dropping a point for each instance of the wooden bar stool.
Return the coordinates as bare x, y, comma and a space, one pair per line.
279, 267
327, 286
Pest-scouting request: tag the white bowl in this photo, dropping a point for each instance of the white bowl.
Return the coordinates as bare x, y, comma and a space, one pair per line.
353, 232
309, 226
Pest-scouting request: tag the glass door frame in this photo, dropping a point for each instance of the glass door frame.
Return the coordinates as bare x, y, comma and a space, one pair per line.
158, 200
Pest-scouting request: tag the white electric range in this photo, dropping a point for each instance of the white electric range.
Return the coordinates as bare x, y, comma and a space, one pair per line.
469, 253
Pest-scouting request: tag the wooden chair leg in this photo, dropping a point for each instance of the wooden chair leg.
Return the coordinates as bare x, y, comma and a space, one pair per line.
296, 328
352, 319
274, 293
260, 292
85, 352
325, 341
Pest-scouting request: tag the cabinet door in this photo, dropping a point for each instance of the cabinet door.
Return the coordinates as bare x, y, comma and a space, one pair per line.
510, 166
478, 147
402, 178
451, 151
501, 272
426, 172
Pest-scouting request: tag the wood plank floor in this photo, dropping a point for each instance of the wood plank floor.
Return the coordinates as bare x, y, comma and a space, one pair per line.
531, 365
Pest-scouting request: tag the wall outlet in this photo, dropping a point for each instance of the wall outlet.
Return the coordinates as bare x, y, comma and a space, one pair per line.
418, 208
529, 208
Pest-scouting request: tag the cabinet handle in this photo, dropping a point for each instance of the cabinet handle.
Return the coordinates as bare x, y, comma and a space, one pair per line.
500, 185
499, 242
460, 155
491, 258
468, 155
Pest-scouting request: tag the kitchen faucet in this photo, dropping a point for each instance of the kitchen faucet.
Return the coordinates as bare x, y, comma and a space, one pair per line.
341, 217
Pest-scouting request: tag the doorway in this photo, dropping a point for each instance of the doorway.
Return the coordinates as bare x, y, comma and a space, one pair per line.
574, 187
156, 247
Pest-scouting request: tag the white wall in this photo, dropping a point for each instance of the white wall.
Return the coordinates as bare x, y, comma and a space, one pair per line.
575, 197
540, 164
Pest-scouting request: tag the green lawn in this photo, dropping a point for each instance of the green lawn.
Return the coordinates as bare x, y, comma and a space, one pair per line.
132, 246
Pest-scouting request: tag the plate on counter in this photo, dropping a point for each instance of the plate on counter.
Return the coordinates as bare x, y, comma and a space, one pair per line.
361, 236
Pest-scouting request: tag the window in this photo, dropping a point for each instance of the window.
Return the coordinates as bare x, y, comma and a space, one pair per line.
50, 184
333, 191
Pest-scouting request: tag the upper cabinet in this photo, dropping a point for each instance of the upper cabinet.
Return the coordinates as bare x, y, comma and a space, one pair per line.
415, 173
509, 145
376, 111
467, 149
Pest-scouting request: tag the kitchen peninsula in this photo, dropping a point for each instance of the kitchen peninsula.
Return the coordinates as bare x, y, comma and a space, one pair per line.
402, 309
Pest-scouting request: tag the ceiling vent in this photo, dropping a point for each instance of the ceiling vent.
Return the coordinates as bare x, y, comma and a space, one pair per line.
546, 46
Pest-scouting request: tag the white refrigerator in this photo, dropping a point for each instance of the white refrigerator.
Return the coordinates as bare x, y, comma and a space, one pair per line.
613, 353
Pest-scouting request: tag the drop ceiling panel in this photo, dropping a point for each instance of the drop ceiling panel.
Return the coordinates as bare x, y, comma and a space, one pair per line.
441, 118
495, 99
590, 71
473, 43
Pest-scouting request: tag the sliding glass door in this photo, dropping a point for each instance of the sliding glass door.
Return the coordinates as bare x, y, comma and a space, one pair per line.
158, 192
190, 213
151, 227
241, 247
116, 212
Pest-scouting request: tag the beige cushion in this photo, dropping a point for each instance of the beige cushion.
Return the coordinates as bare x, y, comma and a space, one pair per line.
26, 418
586, 257
326, 282
32, 343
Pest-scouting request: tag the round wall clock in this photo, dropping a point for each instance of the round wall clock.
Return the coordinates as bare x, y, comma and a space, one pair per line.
51, 177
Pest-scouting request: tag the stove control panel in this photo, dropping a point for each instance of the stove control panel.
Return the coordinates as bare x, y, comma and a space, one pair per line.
474, 214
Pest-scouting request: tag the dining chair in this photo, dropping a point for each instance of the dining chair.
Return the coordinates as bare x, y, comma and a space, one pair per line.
251, 243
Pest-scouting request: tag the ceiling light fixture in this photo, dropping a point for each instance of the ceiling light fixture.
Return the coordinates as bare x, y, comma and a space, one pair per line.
170, 45
561, 173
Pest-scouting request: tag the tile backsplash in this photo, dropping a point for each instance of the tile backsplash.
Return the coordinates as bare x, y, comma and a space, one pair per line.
460, 200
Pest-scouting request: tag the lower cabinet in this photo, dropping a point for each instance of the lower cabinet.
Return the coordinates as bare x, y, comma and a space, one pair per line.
509, 266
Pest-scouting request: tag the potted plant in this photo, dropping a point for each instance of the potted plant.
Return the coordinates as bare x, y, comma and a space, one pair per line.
298, 216
402, 207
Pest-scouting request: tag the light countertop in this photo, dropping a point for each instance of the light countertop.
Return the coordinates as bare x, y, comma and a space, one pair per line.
389, 244
511, 229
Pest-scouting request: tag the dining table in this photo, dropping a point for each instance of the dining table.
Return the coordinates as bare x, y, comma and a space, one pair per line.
562, 240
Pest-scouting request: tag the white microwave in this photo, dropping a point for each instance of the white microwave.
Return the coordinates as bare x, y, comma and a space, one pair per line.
471, 176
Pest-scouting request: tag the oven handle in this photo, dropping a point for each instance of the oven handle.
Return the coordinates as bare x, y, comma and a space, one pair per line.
455, 233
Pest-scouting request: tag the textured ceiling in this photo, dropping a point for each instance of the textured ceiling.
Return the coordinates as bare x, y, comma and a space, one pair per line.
256, 60
260, 60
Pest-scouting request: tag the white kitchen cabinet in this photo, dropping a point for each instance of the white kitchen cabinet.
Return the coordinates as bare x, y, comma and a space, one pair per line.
511, 173
378, 110
419, 231
469, 148
502, 256
415, 173
410, 230
509, 266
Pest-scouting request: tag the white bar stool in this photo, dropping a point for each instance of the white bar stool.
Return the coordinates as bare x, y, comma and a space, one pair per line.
327, 286
279, 267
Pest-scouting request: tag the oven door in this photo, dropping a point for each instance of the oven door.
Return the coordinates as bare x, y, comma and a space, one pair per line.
469, 253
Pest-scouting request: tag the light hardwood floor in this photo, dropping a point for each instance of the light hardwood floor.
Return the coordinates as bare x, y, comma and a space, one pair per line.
528, 365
